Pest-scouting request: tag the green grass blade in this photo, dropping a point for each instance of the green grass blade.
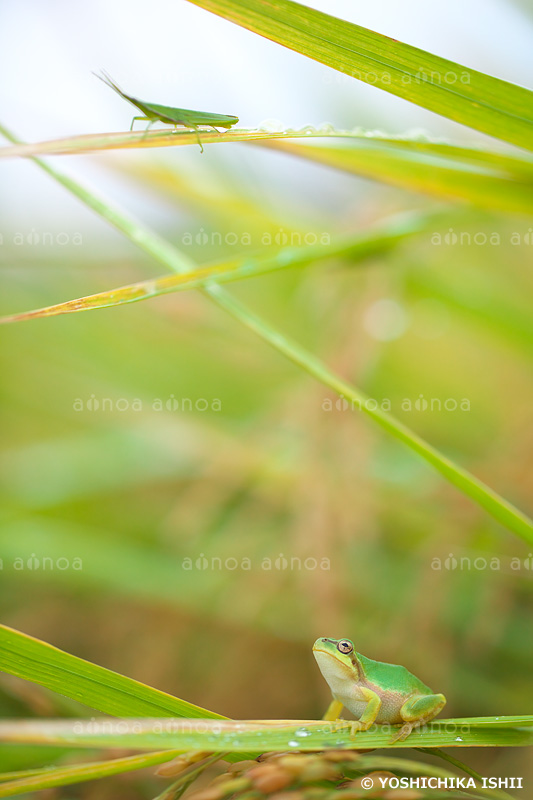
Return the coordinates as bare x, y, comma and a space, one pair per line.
261, 736
487, 104
90, 771
499, 508
451, 760
432, 172
88, 683
354, 248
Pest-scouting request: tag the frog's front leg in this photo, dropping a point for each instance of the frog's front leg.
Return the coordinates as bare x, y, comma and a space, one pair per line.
419, 709
334, 710
367, 718
369, 715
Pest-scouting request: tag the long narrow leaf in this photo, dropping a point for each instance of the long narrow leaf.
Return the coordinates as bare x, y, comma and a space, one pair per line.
433, 174
521, 164
64, 776
354, 247
90, 684
261, 736
488, 104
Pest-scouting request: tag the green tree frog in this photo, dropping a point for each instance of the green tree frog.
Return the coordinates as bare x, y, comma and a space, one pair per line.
373, 691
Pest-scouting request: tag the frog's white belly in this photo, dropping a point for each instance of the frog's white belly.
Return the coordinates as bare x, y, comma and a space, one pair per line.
350, 697
355, 706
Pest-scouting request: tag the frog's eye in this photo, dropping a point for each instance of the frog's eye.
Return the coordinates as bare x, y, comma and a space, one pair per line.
344, 646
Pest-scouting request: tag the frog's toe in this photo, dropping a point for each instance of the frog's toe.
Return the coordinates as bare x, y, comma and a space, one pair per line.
354, 730
402, 733
342, 724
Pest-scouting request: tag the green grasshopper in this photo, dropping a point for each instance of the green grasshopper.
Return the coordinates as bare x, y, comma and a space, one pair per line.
152, 112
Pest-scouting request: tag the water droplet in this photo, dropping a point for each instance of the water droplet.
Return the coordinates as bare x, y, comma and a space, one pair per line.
271, 126
292, 743
302, 732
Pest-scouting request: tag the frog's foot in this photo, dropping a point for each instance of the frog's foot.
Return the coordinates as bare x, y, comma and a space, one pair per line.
353, 725
417, 711
338, 725
356, 726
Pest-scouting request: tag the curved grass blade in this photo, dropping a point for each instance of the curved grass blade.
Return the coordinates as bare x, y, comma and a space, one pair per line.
499, 508
483, 186
88, 683
487, 104
80, 773
451, 760
355, 247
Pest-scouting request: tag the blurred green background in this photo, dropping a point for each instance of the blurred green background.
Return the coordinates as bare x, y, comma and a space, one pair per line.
185, 507
218, 538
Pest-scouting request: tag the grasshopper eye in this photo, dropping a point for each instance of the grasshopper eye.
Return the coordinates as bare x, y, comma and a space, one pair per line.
345, 646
